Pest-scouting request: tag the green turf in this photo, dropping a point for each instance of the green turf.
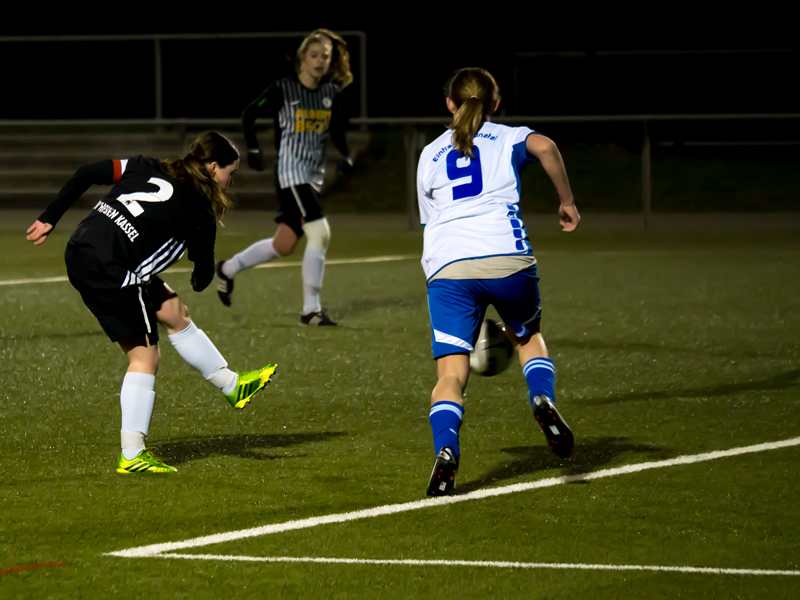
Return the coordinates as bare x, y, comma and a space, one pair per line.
667, 344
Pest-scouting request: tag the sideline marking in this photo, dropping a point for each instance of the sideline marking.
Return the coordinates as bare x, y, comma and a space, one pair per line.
270, 265
481, 563
31, 567
158, 549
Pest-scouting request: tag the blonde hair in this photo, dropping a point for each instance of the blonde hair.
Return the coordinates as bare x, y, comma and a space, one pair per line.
474, 92
340, 61
208, 147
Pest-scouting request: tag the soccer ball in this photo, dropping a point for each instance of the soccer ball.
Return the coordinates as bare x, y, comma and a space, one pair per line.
493, 350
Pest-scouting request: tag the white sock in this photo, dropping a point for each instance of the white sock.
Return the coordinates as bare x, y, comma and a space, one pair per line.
313, 271
136, 400
257, 253
196, 349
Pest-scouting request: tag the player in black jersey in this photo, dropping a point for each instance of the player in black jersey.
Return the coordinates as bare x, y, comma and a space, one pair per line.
155, 211
306, 109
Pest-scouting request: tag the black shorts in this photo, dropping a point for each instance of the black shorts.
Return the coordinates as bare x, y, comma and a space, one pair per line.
128, 312
298, 204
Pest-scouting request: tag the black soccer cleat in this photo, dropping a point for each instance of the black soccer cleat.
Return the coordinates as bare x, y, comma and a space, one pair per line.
443, 476
224, 285
555, 428
317, 318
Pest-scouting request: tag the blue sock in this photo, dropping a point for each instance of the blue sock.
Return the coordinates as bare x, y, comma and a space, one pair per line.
540, 373
446, 420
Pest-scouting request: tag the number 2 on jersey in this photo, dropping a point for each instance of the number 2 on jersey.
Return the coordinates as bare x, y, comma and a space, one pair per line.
131, 201
473, 169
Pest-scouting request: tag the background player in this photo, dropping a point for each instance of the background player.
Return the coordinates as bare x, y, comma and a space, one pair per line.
306, 109
155, 211
476, 253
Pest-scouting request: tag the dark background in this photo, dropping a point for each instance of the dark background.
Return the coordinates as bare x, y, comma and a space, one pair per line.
579, 64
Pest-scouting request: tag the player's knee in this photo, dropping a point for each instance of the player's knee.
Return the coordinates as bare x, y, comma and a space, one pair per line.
318, 233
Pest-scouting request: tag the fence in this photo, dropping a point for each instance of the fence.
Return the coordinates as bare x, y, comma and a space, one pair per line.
157, 39
414, 140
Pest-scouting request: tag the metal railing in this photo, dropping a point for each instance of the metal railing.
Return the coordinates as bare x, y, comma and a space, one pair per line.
413, 139
158, 38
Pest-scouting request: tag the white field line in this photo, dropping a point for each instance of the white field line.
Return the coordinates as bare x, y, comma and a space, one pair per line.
473, 563
269, 265
389, 509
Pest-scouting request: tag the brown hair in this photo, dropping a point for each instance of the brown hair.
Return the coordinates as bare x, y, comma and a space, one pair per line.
209, 147
474, 92
340, 61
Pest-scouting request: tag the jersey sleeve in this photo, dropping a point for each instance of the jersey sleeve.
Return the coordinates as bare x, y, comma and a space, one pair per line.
267, 105
518, 138
424, 195
105, 172
200, 240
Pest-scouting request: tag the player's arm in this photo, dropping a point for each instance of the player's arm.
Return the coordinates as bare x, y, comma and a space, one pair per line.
547, 152
266, 105
105, 172
339, 122
200, 244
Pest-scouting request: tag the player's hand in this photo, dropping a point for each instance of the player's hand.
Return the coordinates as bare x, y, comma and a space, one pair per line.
569, 218
254, 159
202, 275
345, 166
38, 232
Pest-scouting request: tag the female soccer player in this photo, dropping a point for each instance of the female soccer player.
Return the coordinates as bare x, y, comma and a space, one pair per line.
153, 214
476, 253
306, 109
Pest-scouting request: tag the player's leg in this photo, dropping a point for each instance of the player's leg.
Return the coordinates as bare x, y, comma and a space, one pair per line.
195, 347
305, 217
318, 233
455, 321
289, 219
280, 245
517, 301
137, 399
128, 318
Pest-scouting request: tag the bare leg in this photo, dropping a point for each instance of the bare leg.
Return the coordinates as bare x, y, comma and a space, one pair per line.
453, 376
285, 240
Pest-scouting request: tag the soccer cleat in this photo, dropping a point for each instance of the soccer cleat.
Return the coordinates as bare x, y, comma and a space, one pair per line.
248, 384
144, 462
555, 428
224, 284
443, 476
316, 318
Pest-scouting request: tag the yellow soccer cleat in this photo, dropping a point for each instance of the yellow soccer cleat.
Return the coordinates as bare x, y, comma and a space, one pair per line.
248, 384
144, 462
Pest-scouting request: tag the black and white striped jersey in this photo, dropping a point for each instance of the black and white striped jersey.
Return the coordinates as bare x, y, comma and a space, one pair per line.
143, 225
305, 118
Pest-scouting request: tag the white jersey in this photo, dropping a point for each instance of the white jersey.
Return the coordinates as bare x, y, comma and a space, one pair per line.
470, 207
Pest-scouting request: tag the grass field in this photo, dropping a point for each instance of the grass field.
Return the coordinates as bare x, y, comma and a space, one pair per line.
667, 345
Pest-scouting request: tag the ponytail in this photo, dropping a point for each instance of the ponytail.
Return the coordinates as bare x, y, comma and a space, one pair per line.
474, 92
207, 148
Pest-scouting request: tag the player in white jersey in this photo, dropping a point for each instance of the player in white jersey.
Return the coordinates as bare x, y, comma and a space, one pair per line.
477, 252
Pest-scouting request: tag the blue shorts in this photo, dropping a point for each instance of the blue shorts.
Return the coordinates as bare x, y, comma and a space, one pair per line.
457, 308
